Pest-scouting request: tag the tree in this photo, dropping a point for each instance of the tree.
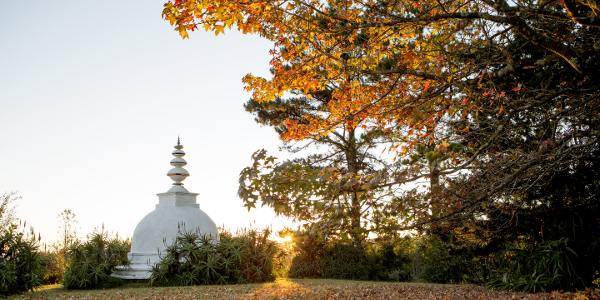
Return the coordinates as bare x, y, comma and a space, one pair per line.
67, 229
429, 73
56, 259
7, 214
491, 101
339, 185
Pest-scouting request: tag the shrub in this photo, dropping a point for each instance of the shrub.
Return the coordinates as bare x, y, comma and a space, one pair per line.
309, 251
90, 264
257, 254
395, 259
373, 261
282, 261
346, 261
316, 257
547, 266
53, 266
20, 268
437, 261
194, 259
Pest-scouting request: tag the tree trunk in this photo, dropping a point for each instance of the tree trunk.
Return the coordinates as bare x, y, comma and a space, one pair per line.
356, 231
434, 193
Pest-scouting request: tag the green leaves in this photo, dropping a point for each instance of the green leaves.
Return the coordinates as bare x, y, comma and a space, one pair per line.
195, 259
547, 266
289, 188
89, 264
20, 268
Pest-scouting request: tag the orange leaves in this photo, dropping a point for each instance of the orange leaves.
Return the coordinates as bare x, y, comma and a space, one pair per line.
370, 61
214, 16
426, 86
501, 109
219, 29
443, 147
517, 88
170, 13
182, 32
298, 131
261, 90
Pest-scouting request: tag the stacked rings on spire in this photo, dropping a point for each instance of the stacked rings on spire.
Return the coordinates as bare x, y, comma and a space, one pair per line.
178, 173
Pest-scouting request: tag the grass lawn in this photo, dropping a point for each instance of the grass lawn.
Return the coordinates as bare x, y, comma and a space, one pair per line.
299, 289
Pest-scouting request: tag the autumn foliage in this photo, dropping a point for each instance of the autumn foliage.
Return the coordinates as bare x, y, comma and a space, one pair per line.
489, 110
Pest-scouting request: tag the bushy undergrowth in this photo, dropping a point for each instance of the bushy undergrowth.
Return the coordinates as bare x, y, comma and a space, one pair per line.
20, 268
89, 264
435, 260
195, 259
547, 266
343, 260
542, 266
309, 251
53, 265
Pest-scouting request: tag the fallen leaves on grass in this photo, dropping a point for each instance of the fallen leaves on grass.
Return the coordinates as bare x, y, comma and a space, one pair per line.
308, 289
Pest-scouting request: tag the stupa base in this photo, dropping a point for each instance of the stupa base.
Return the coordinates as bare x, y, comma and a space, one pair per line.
133, 272
140, 266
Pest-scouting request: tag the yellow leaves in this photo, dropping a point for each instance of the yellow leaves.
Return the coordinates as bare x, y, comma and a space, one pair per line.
403, 149
182, 32
218, 29
248, 27
443, 147
212, 15
324, 48
229, 22
260, 88
299, 131
170, 13
290, 6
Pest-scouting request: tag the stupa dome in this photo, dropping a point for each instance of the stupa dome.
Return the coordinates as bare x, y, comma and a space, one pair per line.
162, 224
176, 211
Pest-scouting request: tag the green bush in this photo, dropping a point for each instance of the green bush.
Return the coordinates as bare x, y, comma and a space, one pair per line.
437, 261
395, 258
257, 254
309, 250
346, 261
282, 261
373, 261
52, 266
20, 268
90, 264
548, 266
316, 257
194, 259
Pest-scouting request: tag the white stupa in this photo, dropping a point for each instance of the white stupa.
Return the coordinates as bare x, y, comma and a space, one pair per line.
176, 211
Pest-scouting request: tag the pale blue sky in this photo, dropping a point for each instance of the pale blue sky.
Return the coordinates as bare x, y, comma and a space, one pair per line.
92, 97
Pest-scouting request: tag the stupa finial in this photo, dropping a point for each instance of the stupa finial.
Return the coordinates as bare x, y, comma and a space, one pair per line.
178, 173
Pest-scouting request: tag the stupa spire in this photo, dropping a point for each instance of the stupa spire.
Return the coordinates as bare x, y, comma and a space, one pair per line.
178, 173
